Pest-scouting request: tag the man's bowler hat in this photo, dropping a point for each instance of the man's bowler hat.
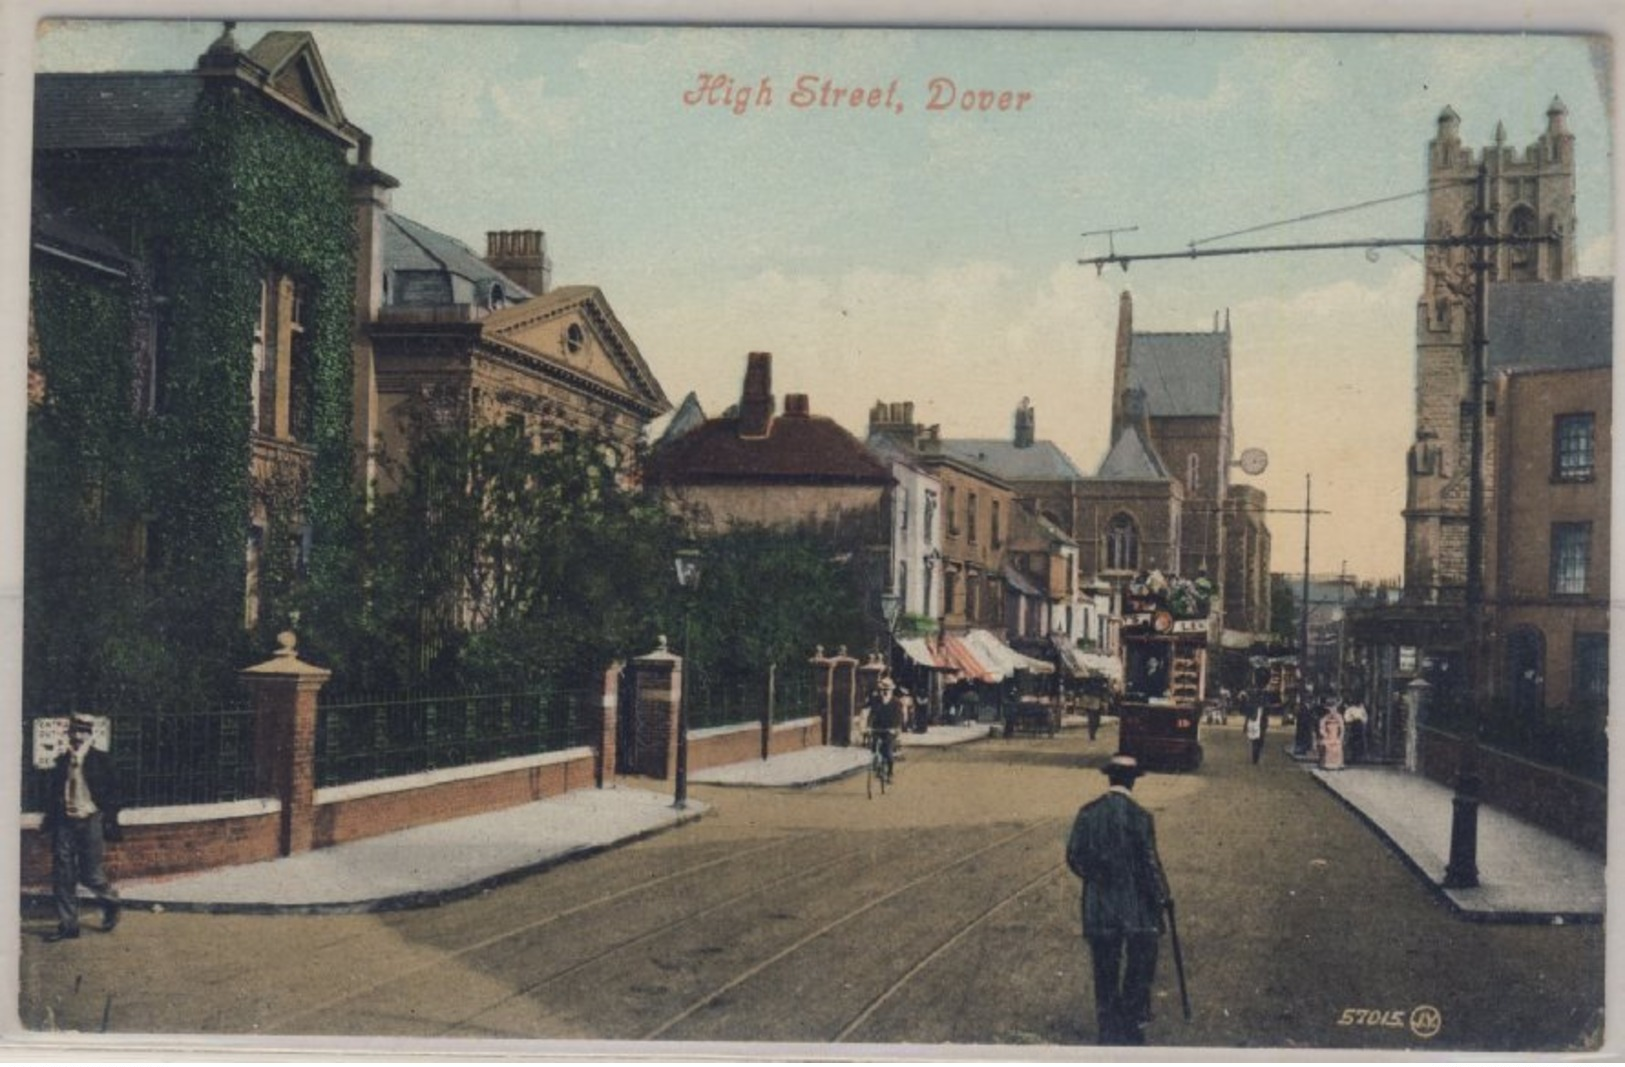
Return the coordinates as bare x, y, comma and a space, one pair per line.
82, 722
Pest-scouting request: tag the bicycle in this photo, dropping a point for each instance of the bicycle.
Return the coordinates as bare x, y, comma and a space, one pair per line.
881, 759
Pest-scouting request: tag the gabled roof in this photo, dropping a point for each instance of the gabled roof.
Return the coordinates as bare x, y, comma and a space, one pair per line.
1182, 373
689, 416
797, 448
1042, 461
1131, 459
620, 364
1551, 325
295, 70
412, 246
123, 110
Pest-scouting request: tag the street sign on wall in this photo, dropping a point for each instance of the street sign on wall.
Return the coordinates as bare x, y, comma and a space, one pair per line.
51, 738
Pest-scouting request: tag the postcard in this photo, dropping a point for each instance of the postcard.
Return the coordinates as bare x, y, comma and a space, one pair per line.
700, 536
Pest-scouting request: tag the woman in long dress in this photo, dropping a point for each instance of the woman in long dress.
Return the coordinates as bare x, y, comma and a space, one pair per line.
1331, 740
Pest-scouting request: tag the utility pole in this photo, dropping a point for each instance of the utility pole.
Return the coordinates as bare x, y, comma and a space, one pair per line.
1462, 871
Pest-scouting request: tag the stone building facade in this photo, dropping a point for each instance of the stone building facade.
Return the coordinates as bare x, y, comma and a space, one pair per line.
1530, 192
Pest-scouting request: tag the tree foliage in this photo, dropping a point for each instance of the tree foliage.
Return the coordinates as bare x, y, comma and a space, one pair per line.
497, 556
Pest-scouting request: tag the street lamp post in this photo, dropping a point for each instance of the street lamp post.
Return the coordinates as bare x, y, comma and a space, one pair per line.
688, 579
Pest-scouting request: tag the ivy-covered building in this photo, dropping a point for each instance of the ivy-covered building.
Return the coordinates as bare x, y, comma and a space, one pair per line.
197, 398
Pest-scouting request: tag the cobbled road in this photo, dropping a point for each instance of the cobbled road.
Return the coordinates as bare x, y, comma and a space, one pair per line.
939, 913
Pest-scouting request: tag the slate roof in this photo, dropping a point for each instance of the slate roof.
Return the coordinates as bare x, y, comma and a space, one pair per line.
689, 416
412, 246
808, 449
121, 110
1182, 373
1131, 459
1552, 325
59, 229
1042, 461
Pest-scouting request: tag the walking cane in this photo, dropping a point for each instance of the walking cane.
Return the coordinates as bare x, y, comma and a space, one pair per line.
1179, 961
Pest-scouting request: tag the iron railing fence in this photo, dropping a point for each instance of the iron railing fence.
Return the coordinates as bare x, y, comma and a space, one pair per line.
364, 736
717, 699
161, 759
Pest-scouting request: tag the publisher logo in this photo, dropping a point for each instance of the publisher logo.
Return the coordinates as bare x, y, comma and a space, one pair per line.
1426, 1021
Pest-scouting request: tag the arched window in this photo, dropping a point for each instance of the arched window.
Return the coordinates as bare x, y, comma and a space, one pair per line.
1526, 670
1524, 257
1122, 544
1193, 473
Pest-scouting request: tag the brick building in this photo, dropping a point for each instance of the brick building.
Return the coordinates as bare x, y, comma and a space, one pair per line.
757, 467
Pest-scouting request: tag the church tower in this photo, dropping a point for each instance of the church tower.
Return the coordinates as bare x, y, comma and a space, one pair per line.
1530, 193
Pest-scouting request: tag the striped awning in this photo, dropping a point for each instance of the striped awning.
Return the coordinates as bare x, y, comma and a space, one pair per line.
958, 655
990, 650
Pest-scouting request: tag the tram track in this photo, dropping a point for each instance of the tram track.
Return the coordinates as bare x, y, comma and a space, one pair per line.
285, 1023
825, 929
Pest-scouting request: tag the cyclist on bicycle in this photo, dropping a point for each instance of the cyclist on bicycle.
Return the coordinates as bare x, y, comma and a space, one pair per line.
885, 719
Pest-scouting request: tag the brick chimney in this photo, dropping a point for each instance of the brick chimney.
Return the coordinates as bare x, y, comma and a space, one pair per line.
894, 419
756, 401
522, 256
796, 406
1025, 423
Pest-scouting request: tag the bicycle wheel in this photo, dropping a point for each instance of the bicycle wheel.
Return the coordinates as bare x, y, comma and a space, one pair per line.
869, 785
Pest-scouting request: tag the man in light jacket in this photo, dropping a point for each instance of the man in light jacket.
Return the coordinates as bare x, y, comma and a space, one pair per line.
81, 812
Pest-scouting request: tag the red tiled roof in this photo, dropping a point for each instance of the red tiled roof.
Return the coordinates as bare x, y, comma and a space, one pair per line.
808, 448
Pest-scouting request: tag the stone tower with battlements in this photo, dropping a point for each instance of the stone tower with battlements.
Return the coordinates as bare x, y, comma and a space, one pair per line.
1531, 192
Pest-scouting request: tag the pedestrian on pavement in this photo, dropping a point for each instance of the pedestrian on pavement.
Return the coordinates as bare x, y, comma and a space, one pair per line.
81, 811
1113, 848
1331, 739
1355, 718
1258, 722
1091, 713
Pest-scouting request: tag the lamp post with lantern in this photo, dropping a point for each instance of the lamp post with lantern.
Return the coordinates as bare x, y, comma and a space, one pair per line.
688, 579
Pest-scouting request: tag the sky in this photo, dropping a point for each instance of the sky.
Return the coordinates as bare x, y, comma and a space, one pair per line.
901, 252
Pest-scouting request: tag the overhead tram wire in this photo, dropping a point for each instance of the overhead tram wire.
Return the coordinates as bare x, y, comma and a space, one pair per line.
1329, 212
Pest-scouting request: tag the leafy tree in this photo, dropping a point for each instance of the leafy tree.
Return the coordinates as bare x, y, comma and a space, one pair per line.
498, 556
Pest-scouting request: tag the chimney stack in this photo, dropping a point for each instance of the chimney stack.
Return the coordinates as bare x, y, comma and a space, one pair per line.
756, 401
522, 256
1026, 419
796, 406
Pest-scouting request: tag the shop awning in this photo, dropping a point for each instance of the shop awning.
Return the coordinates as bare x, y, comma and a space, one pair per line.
1080, 664
918, 650
1007, 660
958, 655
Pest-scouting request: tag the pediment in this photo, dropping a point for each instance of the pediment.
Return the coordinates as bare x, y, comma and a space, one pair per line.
575, 331
295, 72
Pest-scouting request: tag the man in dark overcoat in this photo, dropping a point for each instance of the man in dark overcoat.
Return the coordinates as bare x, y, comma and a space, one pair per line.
1113, 848
81, 812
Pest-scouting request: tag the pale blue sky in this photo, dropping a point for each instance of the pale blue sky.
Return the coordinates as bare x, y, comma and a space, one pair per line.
932, 256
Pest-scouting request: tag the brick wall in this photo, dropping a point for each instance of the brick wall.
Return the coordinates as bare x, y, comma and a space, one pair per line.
164, 841
1559, 803
366, 809
720, 745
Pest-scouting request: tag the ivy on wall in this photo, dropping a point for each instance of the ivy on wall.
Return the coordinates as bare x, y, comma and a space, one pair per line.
256, 192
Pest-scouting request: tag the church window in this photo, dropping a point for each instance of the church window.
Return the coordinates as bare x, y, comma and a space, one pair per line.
1193, 472
1122, 544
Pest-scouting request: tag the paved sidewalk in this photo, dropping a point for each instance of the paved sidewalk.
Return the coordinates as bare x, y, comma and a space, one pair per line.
944, 736
1525, 874
424, 865
810, 766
